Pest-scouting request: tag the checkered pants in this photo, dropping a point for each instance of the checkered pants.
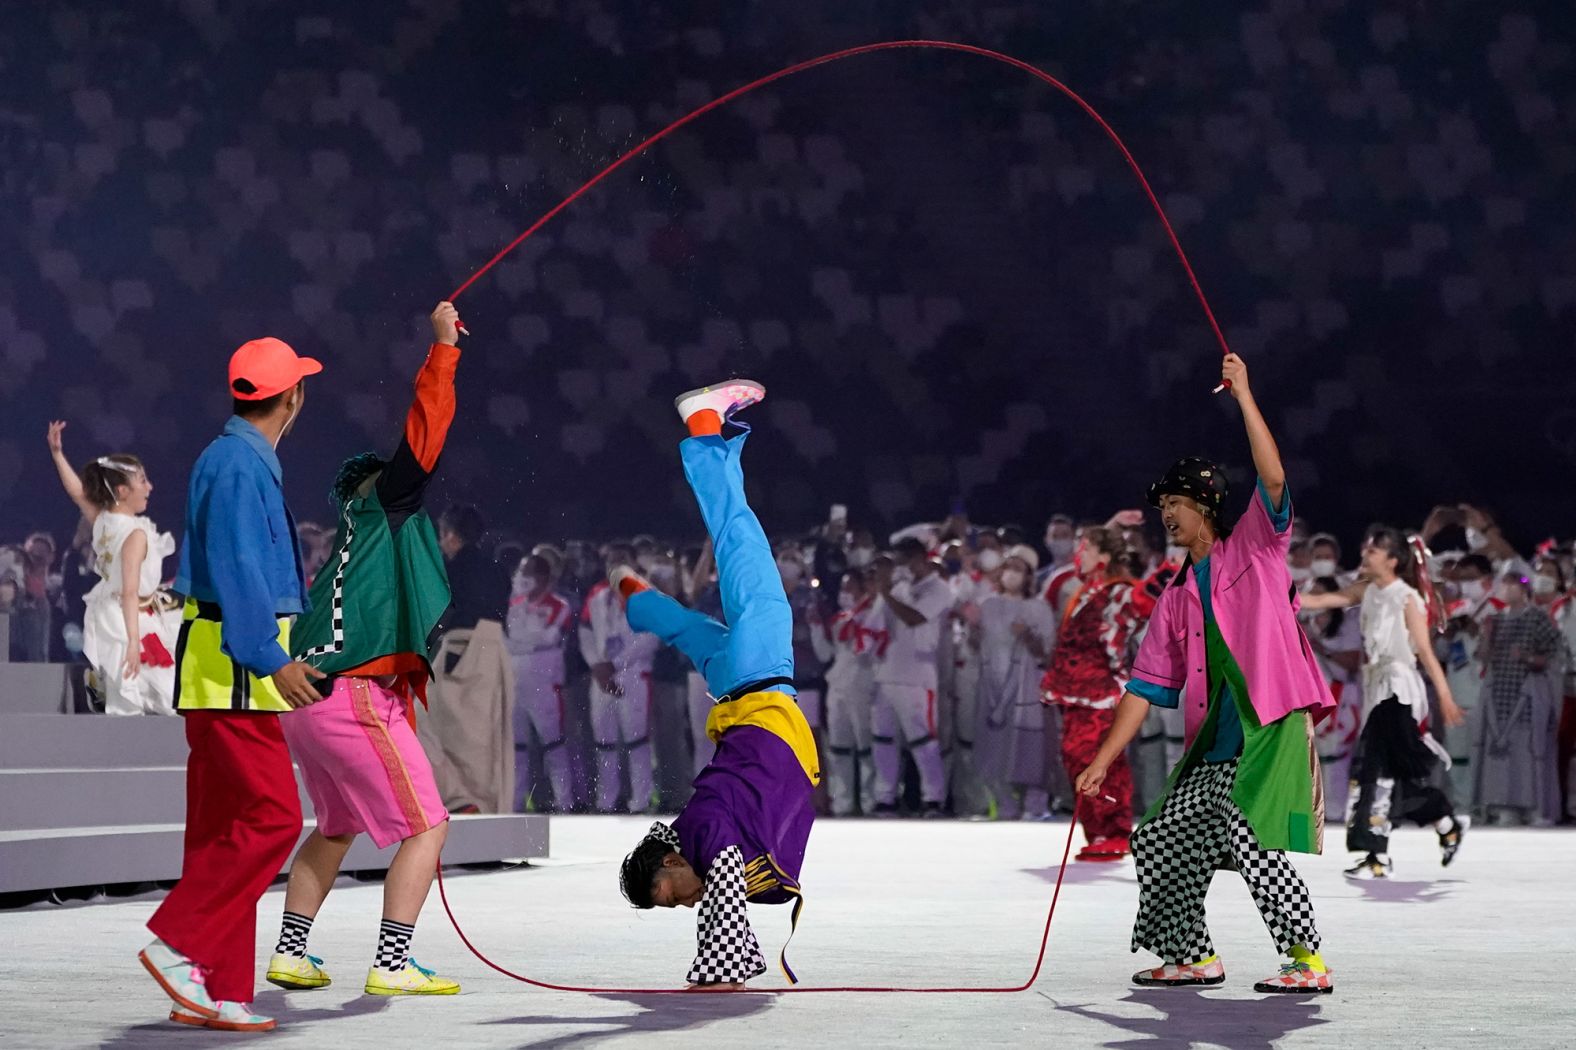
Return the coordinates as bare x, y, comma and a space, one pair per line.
1176, 855
726, 948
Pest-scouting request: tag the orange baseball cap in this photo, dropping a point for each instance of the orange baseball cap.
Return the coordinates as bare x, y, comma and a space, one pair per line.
265, 367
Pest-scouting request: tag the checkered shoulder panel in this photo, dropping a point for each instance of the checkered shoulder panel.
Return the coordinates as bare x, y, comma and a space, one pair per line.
726, 948
336, 644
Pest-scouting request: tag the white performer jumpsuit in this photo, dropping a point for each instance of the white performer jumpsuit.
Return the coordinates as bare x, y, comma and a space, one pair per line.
620, 724
906, 680
535, 640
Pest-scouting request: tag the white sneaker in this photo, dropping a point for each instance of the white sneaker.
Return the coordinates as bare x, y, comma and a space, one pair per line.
181, 979
726, 398
233, 1017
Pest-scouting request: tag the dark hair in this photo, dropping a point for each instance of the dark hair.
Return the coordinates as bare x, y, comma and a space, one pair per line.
908, 547
259, 408
637, 876
1478, 562
102, 476
465, 521
1394, 544
352, 473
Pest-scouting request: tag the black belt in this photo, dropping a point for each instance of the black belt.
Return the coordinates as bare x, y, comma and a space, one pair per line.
753, 687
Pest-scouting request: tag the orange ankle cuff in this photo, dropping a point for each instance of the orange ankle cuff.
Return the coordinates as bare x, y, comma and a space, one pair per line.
704, 423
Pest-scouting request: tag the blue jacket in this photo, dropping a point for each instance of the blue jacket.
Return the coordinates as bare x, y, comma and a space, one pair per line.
241, 550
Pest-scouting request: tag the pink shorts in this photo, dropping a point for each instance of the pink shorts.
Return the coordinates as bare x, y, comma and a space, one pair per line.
363, 766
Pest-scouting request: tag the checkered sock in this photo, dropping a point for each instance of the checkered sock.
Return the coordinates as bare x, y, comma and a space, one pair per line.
293, 934
394, 945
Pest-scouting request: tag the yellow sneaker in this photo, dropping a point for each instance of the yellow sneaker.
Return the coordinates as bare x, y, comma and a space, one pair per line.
414, 979
297, 972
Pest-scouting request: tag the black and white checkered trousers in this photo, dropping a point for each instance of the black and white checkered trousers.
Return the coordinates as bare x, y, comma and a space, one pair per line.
726, 948
1176, 855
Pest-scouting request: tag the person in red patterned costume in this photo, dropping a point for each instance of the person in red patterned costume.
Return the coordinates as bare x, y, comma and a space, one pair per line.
1086, 679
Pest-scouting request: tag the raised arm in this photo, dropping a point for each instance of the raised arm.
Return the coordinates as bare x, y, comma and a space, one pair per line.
68, 475
1266, 456
403, 482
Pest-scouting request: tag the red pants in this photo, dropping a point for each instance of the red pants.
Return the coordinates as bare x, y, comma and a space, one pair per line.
1082, 730
243, 818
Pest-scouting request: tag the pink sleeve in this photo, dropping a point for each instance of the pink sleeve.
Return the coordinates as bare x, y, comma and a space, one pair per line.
1161, 659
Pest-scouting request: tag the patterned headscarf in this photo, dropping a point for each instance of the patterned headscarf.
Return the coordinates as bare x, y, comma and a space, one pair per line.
1198, 479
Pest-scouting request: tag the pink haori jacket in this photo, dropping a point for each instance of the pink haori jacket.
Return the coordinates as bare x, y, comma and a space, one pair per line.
1255, 609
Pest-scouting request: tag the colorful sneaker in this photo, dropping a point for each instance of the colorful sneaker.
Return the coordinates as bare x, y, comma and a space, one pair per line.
1450, 841
181, 979
726, 398
414, 979
233, 1017
297, 972
1106, 849
626, 582
1298, 978
1177, 975
1372, 866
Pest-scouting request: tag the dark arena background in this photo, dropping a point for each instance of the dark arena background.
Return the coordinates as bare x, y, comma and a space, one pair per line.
979, 344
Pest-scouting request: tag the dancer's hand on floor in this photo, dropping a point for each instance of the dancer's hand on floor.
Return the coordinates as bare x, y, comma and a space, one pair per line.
1090, 780
294, 682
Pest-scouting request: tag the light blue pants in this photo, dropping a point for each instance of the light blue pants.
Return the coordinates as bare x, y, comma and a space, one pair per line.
757, 640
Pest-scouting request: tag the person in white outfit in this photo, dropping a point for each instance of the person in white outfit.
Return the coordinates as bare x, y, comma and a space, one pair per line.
1016, 633
915, 602
850, 642
129, 625
1396, 754
621, 661
534, 635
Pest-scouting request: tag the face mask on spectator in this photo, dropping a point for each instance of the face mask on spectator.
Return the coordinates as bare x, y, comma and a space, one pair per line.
859, 557
1475, 539
1473, 591
989, 560
646, 562
1300, 575
1323, 567
1544, 586
1061, 547
846, 601
664, 576
792, 572
1012, 580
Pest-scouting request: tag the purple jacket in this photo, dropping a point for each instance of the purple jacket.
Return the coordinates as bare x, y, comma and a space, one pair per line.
1250, 590
754, 795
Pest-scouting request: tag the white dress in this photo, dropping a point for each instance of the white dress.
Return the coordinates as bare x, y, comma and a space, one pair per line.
1389, 660
152, 692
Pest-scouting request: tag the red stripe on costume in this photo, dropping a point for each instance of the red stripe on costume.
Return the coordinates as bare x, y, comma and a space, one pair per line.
432, 411
387, 750
930, 711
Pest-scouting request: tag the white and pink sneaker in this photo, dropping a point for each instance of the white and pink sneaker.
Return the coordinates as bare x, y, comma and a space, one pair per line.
1177, 975
1298, 978
181, 979
726, 398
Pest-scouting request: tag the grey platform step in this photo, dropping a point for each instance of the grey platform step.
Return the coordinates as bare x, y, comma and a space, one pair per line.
35, 688
93, 856
38, 741
83, 798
